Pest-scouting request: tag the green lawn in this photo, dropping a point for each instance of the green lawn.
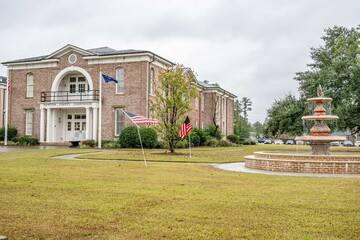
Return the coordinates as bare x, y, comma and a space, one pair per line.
45, 198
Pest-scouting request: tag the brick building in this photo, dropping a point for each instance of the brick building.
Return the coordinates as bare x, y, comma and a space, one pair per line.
56, 97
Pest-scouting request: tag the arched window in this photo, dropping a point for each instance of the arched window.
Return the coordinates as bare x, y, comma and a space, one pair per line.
120, 78
29, 85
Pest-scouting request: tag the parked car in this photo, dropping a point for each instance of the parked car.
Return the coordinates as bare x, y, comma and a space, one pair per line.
279, 141
337, 143
348, 144
267, 141
357, 144
300, 142
260, 140
290, 142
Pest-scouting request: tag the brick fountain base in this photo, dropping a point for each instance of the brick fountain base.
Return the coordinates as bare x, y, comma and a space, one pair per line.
301, 163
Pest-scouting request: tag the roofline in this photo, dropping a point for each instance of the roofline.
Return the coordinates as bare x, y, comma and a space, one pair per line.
14, 63
149, 53
67, 46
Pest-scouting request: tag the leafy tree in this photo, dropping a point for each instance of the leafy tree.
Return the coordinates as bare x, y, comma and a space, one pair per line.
173, 92
284, 116
258, 128
241, 125
336, 67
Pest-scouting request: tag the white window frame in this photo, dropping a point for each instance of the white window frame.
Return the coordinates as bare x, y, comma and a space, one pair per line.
29, 85
197, 103
117, 111
120, 76
29, 121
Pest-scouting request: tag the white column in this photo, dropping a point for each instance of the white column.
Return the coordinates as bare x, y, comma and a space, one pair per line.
42, 125
87, 134
95, 123
48, 125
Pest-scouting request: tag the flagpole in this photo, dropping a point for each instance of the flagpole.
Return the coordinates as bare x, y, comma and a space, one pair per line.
7, 108
100, 110
138, 129
189, 145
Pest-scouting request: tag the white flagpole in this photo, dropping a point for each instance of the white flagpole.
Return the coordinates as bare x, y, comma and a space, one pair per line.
138, 129
100, 110
7, 108
189, 145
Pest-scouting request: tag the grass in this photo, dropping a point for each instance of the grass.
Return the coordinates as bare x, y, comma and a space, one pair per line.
205, 155
45, 198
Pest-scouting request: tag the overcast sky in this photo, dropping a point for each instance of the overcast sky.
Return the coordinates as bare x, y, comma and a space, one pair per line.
251, 48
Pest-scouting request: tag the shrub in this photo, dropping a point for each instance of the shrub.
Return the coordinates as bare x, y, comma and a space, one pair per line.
233, 138
203, 135
224, 143
12, 132
148, 137
213, 132
194, 139
181, 144
212, 142
129, 137
246, 142
160, 145
111, 144
253, 142
89, 143
25, 140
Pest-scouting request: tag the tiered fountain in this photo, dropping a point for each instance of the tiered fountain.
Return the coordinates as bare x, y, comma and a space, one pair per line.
320, 160
320, 137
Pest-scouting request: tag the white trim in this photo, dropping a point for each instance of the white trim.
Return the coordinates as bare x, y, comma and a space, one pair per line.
33, 65
68, 48
125, 58
71, 69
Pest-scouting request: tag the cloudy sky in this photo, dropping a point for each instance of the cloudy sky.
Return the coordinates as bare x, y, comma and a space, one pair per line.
252, 48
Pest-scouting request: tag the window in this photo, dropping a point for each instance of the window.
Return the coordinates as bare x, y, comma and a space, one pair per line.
202, 102
152, 78
29, 122
30, 85
119, 121
120, 78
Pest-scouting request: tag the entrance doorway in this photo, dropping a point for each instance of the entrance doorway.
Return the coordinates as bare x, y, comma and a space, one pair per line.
75, 127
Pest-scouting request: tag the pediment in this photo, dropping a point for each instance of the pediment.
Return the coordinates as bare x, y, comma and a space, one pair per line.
69, 48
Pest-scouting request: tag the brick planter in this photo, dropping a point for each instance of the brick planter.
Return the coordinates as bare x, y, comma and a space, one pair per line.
297, 163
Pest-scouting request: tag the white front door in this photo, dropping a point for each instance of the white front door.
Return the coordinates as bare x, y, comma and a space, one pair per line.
75, 127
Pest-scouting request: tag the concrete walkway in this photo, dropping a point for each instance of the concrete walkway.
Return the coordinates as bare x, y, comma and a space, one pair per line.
240, 167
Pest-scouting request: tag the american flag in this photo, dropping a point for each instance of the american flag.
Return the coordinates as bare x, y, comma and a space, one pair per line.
138, 119
185, 128
9, 85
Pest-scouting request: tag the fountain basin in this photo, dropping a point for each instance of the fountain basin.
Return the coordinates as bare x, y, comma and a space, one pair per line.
303, 163
325, 139
320, 117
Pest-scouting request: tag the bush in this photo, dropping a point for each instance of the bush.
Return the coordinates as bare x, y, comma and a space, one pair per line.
25, 140
89, 143
246, 142
129, 137
224, 143
213, 132
253, 142
12, 132
148, 137
160, 145
212, 142
194, 139
111, 144
181, 144
233, 138
203, 135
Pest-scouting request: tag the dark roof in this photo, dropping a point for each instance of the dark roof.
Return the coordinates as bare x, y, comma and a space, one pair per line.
207, 85
109, 51
102, 51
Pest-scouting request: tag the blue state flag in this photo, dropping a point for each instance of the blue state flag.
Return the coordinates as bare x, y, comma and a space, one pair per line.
108, 79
